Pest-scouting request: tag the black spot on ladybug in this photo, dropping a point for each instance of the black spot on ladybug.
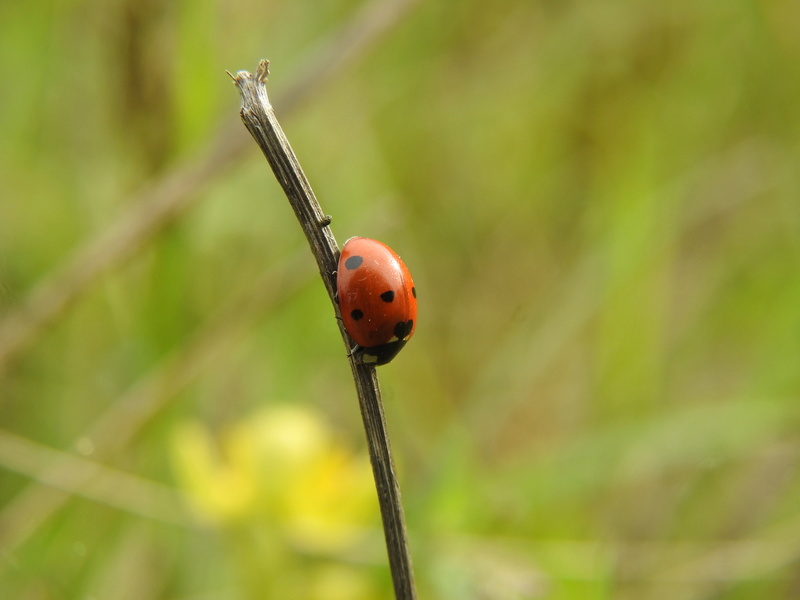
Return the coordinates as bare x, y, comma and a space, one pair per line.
414, 291
356, 314
387, 296
353, 262
403, 328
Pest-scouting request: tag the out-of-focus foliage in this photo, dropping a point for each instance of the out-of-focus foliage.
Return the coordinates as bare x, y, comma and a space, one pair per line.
600, 204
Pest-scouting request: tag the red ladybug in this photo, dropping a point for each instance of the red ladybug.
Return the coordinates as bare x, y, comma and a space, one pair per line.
377, 299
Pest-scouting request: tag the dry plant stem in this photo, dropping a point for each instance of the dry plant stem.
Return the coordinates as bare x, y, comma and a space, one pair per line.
260, 120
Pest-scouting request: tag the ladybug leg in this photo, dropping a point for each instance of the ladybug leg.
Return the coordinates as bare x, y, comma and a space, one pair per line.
354, 350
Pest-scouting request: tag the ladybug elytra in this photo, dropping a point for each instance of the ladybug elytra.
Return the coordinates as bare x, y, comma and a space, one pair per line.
377, 299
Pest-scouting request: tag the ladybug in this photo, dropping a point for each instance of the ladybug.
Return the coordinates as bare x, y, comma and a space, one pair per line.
377, 298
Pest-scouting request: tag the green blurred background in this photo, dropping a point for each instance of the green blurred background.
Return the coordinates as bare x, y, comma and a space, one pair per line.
598, 202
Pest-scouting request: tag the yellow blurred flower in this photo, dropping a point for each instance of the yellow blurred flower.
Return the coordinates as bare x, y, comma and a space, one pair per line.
340, 583
281, 465
219, 485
